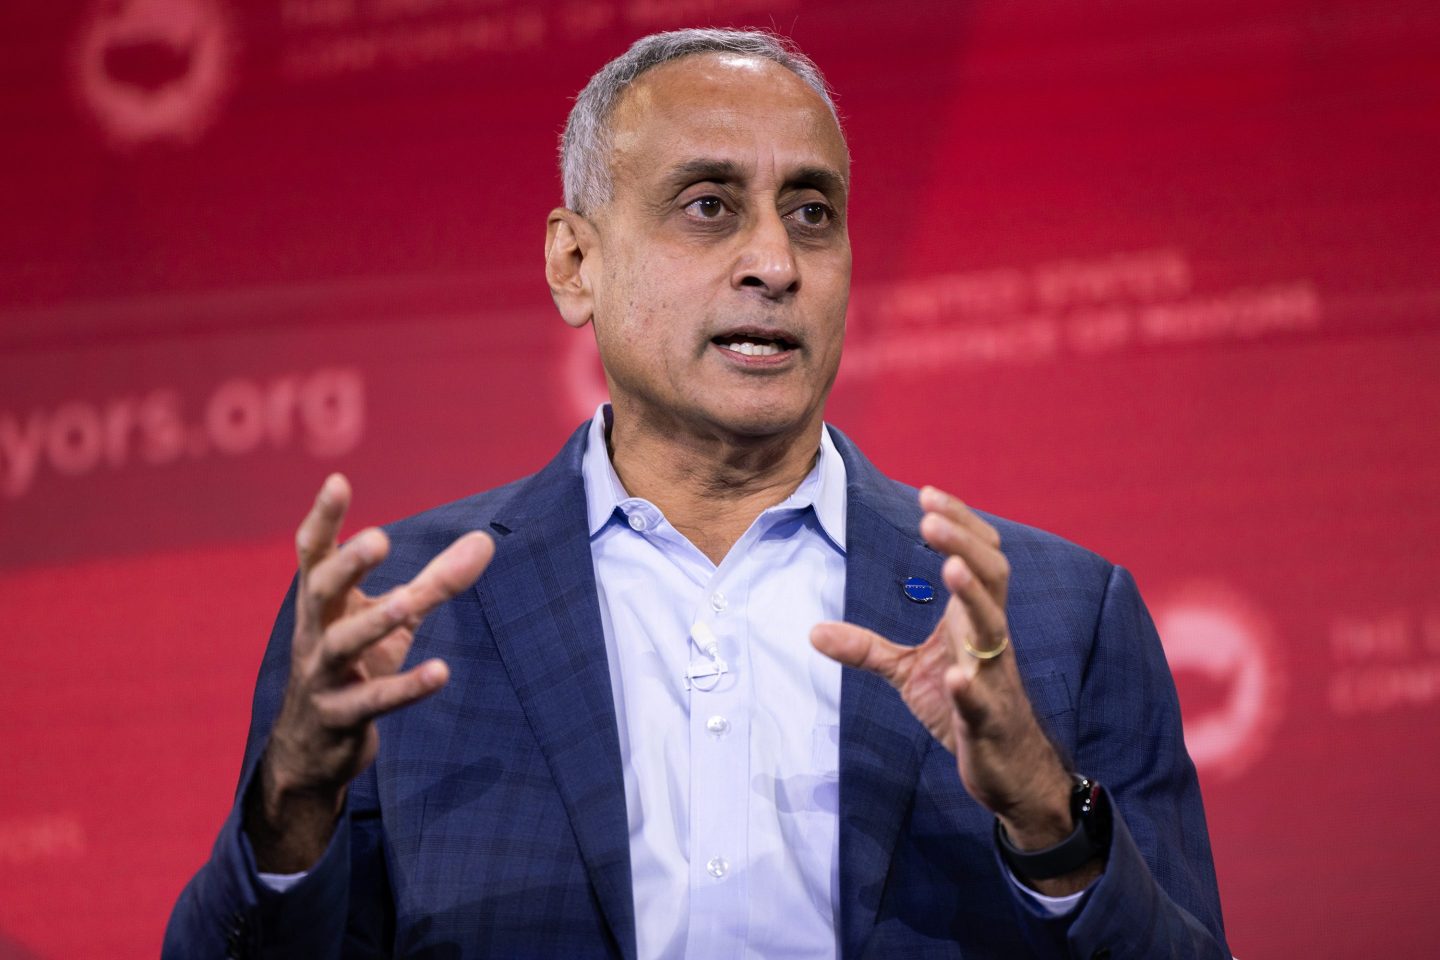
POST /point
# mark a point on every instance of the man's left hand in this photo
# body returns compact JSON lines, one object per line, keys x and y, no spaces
{"x":966,"y":694}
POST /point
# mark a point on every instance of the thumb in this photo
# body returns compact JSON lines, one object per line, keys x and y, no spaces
{"x":857,"y":647}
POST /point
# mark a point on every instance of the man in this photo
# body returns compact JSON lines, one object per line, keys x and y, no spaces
{"x":617,"y":742}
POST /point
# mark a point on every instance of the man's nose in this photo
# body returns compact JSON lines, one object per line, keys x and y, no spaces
{"x":767,"y":260}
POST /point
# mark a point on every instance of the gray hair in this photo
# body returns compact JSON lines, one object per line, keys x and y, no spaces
{"x":585,"y":144}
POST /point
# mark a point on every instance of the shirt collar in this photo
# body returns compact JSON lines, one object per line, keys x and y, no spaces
{"x":603,"y":491}
{"x":823,"y":488}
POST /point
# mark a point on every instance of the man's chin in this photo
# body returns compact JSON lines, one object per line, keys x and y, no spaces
{"x":748,"y":417}
{"x":764,"y":422}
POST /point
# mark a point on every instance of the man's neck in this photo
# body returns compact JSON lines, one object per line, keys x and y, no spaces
{"x":711,"y":487}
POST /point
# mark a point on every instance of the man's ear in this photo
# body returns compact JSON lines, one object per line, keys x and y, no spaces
{"x":572,"y":251}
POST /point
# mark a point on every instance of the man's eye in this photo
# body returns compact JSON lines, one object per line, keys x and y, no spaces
{"x":814,"y":214}
{"x":706,"y":208}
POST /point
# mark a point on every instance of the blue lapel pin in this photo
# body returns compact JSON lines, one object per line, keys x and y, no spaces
{"x":918,"y":589}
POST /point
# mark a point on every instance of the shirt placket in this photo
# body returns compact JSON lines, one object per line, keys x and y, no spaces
{"x":720,"y":768}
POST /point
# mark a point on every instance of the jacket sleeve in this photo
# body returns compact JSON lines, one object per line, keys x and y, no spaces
{"x":339,"y":909}
{"x":1158,"y":895}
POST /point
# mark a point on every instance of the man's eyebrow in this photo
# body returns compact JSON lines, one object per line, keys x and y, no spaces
{"x":702,"y":169}
{"x":827,"y":181}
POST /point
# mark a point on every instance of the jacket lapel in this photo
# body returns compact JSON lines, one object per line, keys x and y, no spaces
{"x":881,"y":743}
{"x":540,"y":602}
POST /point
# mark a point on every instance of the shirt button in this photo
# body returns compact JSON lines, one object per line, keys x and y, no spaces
{"x":637,"y":522}
{"x":717,"y":725}
{"x":717,"y":867}
{"x":717,"y":601}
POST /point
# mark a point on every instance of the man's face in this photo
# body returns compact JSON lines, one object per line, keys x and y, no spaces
{"x":724,"y":256}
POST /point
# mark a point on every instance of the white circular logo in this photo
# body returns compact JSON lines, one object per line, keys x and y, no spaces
{"x":154,"y":70}
{"x":1223,"y":646}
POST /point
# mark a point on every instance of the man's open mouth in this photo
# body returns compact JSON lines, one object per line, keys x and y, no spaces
{"x":755,"y":344}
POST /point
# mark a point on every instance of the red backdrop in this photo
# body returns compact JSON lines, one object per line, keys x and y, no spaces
{"x":1159,"y":276}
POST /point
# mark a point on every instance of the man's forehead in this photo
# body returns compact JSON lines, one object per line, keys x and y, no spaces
{"x":718,"y":99}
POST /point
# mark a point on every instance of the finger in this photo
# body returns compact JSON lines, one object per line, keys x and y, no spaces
{"x":970,"y":702}
{"x":450,"y":572}
{"x":453,"y":570}
{"x":858,"y":647}
{"x":983,"y":559}
{"x":961,"y":679}
{"x":316,"y":535}
{"x":936,"y":500}
{"x":359,"y":703}
{"x":986,"y":616}
{"x":351,"y":636}
{"x":331,"y":580}
{"x":981,"y":689}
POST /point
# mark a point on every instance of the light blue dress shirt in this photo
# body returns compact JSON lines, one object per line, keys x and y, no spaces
{"x":729,"y":719}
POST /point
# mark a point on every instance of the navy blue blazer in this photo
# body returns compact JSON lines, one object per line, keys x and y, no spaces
{"x":493,"y":824}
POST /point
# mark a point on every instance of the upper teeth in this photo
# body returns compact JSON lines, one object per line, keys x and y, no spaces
{"x":754,"y":349}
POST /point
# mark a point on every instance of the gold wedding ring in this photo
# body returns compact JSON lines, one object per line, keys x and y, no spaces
{"x":990,"y":654}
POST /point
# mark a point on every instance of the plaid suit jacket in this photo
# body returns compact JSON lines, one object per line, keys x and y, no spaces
{"x":493,"y":822}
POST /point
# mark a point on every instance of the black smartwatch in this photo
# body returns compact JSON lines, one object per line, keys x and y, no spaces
{"x":1090,"y":809}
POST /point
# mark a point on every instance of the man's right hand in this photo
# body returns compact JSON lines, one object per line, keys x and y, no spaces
{"x":344,"y":672}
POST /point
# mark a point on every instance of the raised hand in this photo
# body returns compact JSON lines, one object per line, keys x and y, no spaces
{"x":963,"y":684}
{"x":345,"y":663}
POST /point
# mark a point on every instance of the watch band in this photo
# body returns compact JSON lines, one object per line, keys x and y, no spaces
{"x":1090,"y":809}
